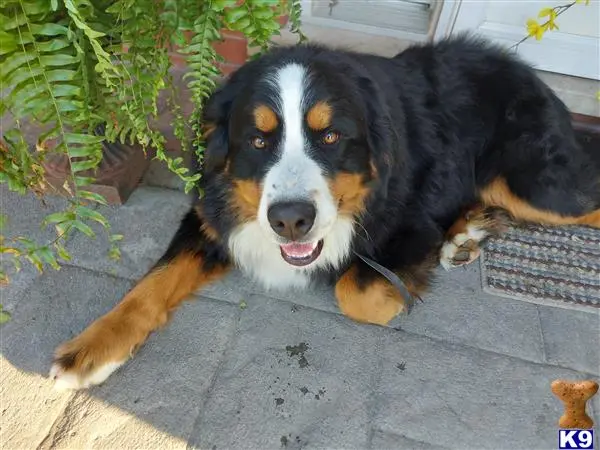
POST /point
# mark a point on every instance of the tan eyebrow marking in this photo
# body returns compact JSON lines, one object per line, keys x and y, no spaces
{"x":319,"y":116}
{"x":265,"y":119}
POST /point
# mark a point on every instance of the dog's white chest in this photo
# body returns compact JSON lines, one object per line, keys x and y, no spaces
{"x":257,"y":255}
{"x":261,"y":259}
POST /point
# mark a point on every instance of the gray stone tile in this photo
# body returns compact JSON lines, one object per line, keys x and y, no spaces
{"x":25,"y":214}
{"x":571,"y":338}
{"x":55,"y":308}
{"x":457,"y":310}
{"x":381,"y":440}
{"x":147,"y":221}
{"x":159,"y":175}
{"x":436,"y":393}
{"x":164,"y":385}
{"x":318,"y":296}
{"x":295,"y":377}
{"x":236,"y":286}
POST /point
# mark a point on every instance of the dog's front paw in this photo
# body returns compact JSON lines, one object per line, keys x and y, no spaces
{"x":90,"y":358}
{"x":462,"y":250}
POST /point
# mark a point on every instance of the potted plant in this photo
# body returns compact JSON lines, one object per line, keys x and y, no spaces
{"x":80,"y":84}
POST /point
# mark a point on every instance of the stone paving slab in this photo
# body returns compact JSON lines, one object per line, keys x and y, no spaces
{"x":457,"y":310}
{"x":147,"y":221}
{"x":55,"y":308}
{"x":294,"y":377}
{"x":572,"y":338}
{"x":89,"y":423}
{"x":164,"y":386}
{"x":30,"y":406}
{"x":25,"y":214}
{"x":386,"y":440}
{"x":299,"y":377}
{"x":461,"y":397}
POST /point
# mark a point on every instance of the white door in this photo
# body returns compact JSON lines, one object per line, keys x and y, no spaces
{"x":574,"y":49}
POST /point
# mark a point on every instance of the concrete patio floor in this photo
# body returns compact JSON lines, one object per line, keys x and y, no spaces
{"x":240,"y":368}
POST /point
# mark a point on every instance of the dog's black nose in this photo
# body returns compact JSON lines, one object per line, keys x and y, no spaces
{"x":292,"y":220}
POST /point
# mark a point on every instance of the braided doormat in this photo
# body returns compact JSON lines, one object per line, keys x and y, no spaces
{"x":558,"y":266}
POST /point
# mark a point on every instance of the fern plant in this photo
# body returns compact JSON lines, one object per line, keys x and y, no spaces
{"x":86,"y":72}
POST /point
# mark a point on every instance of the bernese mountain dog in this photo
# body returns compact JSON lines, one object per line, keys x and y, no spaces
{"x":358,"y":170}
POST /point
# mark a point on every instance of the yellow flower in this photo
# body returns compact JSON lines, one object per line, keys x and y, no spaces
{"x":587,"y":2}
{"x":550,"y":24}
{"x":535,"y":29}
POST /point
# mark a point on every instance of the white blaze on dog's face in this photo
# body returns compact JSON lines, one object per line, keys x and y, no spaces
{"x":306,"y":211}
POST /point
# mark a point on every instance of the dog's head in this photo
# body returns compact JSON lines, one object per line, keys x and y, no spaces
{"x":303,"y":141}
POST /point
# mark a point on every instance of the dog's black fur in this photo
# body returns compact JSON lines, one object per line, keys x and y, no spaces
{"x":440,"y":122}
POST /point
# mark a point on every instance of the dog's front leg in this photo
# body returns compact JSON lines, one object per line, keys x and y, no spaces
{"x":193,"y":259}
{"x":366,"y":294}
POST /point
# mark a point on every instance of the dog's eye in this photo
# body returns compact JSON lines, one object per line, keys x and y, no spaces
{"x":331,"y":137}
{"x":258,"y":143}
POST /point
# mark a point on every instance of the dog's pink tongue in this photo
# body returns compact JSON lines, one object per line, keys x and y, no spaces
{"x":297,"y":250}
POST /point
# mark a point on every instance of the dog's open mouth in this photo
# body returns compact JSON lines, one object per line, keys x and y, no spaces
{"x":301,"y":254}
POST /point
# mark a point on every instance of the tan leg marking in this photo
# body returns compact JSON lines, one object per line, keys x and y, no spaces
{"x":497,"y":193}
{"x":113,"y":338}
{"x":377,"y":302}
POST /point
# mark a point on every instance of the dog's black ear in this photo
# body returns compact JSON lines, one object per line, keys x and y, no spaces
{"x":215,"y":126}
{"x":381,"y":137}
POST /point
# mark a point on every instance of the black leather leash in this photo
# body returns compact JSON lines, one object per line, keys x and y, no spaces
{"x":392,"y":278}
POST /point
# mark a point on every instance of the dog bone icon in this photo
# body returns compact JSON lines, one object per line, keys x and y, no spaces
{"x":574,"y":395}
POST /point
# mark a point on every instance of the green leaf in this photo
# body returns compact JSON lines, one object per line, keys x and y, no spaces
{"x":115,"y":237}
{"x":114,"y":253}
{"x":4,"y":315}
{"x":3,"y":221}
{"x":78,"y":166}
{"x":48,"y":257}
{"x":52,"y":45}
{"x":58,"y":60}
{"x":83,"y":181}
{"x":235,"y":14}
{"x":84,"y":228}
{"x":87,"y":213}
{"x":15,"y":21}
{"x":36,"y":261}
{"x":48,"y":29}
{"x":15,"y":61}
{"x":220,"y":5}
{"x":264,"y":14}
{"x":86,"y":139}
{"x":65,"y":90}
{"x":62,"y":252}
{"x":58,"y":217}
{"x":93,"y":197}
{"x":61,"y":75}
{"x":67,"y":105}
{"x":22,"y":74}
